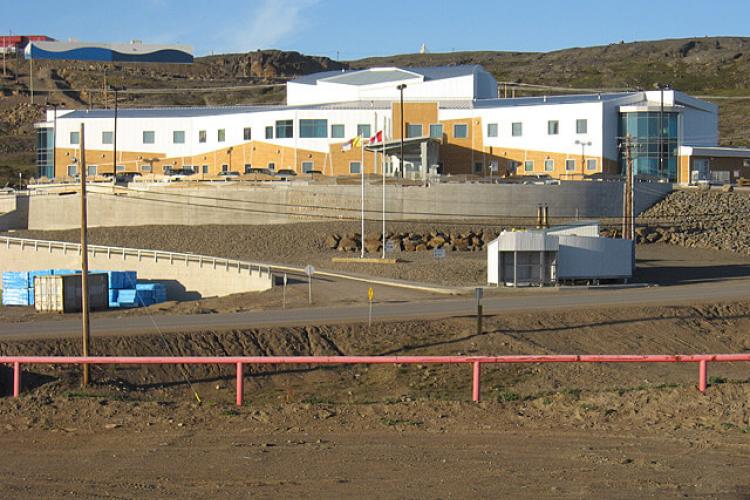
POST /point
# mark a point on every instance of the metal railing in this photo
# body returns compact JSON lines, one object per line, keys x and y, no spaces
{"x":475,"y":361}
{"x":140,"y":254}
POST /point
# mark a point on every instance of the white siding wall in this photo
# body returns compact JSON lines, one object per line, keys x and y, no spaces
{"x":534,"y":119}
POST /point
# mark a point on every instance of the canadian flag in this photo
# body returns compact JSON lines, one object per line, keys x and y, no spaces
{"x":377,"y":138}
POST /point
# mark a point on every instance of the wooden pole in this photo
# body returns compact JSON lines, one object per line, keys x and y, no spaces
{"x":84,"y":261}
{"x":114,"y":143}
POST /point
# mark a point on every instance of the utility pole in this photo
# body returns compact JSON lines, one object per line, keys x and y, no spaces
{"x":54,"y":142}
{"x":5,"y":49}
{"x":628,"y":230}
{"x":114,"y":142}
{"x":84,"y":261}
{"x":401,"y":89}
{"x":31,"y":76}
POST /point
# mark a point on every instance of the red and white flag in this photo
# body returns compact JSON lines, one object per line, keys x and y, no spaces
{"x":377,"y":138}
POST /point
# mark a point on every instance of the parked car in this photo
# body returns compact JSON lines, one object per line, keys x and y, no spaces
{"x":258,"y":170}
{"x":231,"y":175}
{"x":286,"y":174}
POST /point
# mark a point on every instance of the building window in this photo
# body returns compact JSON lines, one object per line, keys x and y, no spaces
{"x":553,"y":127}
{"x":269,"y":132}
{"x":72,"y":171}
{"x":591,"y":164}
{"x":107,"y":137}
{"x":413,"y":130}
{"x":91,"y":170}
{"x":338,"y":131}
{"x":201,"y":136}
{"x":570,"y":165}
{"x":354,"y":167}
{"x":478,"y":167}
{"x":582,"y":126}
{"x":247,"y":134}
{"x":460,"y":131}
{"x":204,"y":169}
{"x":284,"y":129}
{"x":221,"y":135}
{"x":528,"y":166}
{"x":178,"y":137}
{"x":313,"y":129}
{"x":307,"y":166}
{"x":248,"y":167}
{"x":516,"y":130}
{"x":149,"y":137}
{"x":363,"y":130}
{"x":492,"y":130}
{"x":75,"y":138}
{"x":436,"y":130}
{"x":549,"y":165}
{"x":120,"y":168}
{"x":146,"y":168}
{"x":225,"y":168}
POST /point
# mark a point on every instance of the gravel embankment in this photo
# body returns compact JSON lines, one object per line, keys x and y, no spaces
{"x":295,"y":244}
{"x":699,"y":219}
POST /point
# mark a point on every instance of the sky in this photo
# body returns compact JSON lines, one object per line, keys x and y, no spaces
{"x":351,"y":30}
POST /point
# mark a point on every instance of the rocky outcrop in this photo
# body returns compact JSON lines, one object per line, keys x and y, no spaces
{"x":469,"y":241}
{"x":698,"y":219}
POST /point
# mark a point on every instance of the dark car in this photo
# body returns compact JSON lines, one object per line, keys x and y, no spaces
{"x":286,"y":173}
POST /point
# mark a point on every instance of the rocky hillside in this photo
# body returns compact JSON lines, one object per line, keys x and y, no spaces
{"x":702,"y":219}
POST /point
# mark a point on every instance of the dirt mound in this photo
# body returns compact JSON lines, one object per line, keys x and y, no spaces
{"x":714,"y":328}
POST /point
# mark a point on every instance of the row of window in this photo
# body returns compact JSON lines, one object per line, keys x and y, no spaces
{"x":318,"y":129}
{"x":570,"y":165}
{"x":553,"y":128}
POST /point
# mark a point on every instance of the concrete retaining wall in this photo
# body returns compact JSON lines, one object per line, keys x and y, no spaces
{"x":274,"y":204}
{"x":188,"y":278}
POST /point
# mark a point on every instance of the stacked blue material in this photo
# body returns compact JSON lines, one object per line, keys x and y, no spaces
{"x":18,"y":287}
{"x":17,"y":296}
{"x":124,"y":289}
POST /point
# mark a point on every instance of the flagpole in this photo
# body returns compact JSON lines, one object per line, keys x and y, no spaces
{"x":362,"y":196}
{"x":382,"y":171}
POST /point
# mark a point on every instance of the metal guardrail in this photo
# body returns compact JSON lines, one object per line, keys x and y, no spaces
{"x":124,"y":252}
{"x":475,"y":361}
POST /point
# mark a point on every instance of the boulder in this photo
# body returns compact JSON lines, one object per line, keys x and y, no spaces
{"x":421,"y":247}
{"x":332,"y":241}
{"x":348,"y":245}
{"x":461,"y":244}
{"x":372,"y":245}
{"x":727,"y":188}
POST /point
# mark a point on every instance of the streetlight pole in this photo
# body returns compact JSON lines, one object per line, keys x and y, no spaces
{"x":401,"y":88}
{"x":662,"y":87}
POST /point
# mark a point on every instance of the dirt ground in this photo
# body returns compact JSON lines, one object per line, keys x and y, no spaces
{"x":395,"y":431}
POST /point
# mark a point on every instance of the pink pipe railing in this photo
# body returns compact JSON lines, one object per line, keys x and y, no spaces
{"x":475,"y":361}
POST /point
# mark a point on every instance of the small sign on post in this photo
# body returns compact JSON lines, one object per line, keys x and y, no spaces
{"x":389,"y":246}
{"x":283,"y":294}
{"x":309,"y":271}
{"x":370,"y":297}
{"x":479,"y":292}
{"x":439,"y":253}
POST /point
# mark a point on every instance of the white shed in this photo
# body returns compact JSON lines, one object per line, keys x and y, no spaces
{"x":564,"y":253}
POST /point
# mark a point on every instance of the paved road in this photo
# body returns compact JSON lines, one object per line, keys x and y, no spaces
{"x":429,"y":309}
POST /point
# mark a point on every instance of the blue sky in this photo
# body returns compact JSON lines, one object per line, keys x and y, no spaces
{"x":360,"y":29}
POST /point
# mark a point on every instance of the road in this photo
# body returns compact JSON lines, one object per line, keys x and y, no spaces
{"x":724,"y":290}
